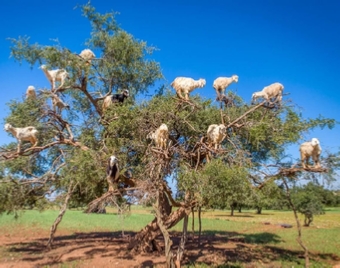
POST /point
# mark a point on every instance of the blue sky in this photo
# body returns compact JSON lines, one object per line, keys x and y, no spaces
{"x":264,"y":41}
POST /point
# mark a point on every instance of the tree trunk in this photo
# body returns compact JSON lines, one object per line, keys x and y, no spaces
{"x":160,"y":222}
{"x":258,"y":210}
{"x":60,"y":216}
{"x":144,"y":240}
{"x":193,"y":223}
{"x":232,"y":208}
{"x":308,"y":219}
{"x":181,"y":246}
{"x":199,"y":225}
{"x":298,"y":239}
{"x":240,"y":209}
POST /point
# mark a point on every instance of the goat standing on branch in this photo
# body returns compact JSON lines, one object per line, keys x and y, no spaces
{"x":30,"y":93}
{"x":160,"y":136}
{"x":23,"y":134}
{"x":114,"y":99}
{"x":310,"y":149}
{"x":112,"y":172}
{"x":272,"y":91}
{"x":58,"y":75}
{"x":87,"y":55}
{"x":216,"y":134}
{"x":221,"y":83}
{"x":58,"y":104}
{"x":185,"y":85}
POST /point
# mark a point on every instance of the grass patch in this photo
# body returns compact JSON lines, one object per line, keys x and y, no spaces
{"x":75,"y":220}
{"x":324,"y":228}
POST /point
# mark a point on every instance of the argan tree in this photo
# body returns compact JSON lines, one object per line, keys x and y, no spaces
{"x":75,"y":144}
{"x":309,"y":201}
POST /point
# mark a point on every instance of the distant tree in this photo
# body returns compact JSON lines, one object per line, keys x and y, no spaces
{"x":308,"y":200}
{"x":336,"y":197}
{"x":222,"y":186}
{"x":264,"y":197}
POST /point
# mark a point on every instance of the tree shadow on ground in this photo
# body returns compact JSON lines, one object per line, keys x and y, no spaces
{"x":216,"y":248}
{"x":262,"y":238}
{"x":78,"y":246}
{"x":257,"y":238}
{"x":232,"y":248}
{"x":242,"y":215}
{"x":234,"y":216}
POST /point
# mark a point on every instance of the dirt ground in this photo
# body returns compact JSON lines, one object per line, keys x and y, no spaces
{"x":26,"y":248}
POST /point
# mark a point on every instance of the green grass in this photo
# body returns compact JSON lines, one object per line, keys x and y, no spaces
{"x":76,"y":220}
{"x":324,"y":228}
{"x":335,"y":209}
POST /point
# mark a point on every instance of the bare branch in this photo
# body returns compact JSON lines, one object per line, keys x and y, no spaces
{"x":245,"y":114}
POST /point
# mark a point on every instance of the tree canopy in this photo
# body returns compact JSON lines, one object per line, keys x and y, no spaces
{"x":74,"y":145}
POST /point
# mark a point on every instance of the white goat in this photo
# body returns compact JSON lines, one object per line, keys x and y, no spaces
{"x":310,"y":149}
{"x":272,"y":91}
{"x":23,"y":134}
{"x":221,"y":83}
{"x":30,"y":93}
{"x":58,"y":75}
{"x":58,"y":104}
{"x":185,"y":85}
{"x":216,"y":134}
{"x":160,"y":136}
{"x":87,"y":55}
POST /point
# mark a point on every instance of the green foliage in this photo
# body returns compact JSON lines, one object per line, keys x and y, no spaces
{"x":32,"y":113}
{"x":15,"y":196}
{"x":217,"y":185}
{"x":225,"y":185}
{"x":124,"y":62}
{"x":121,"y":63}
{"x":271,"y":131}
{"x":78,"y":142}
{"x":265,"y":197}
{"x":87,"y":170}
{"x":309,"y":201}
{"x":25,"y":113}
